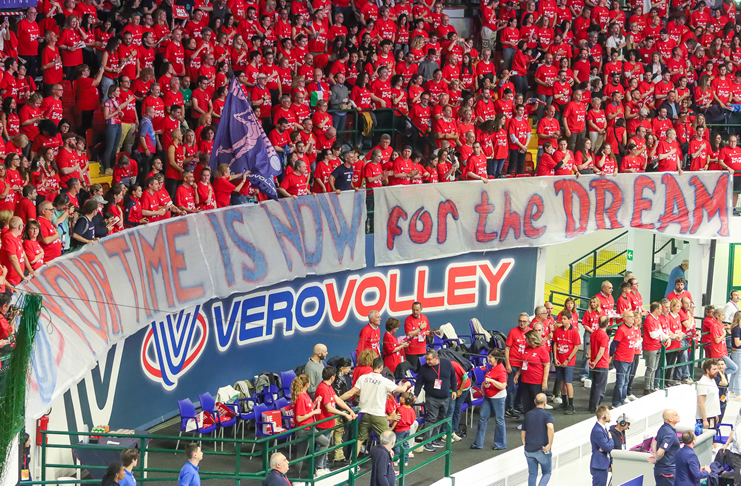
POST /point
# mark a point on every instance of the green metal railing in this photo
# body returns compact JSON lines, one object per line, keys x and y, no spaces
{"x":592,"y":264}
{"x":283,"y":441}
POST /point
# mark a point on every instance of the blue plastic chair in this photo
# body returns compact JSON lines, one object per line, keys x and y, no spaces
{"x":244,"y":417}
{"x":259,"y":423}
{"x":475,"y":402}
{"x":286,"y":378}
{"x":268,"y":395}
{"x":188,"y":412}
{"x":439,"y":343}
{"x":208,"y":404}
{"x":719,"y":438}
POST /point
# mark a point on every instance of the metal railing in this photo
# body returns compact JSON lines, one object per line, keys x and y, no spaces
{"x":281,"y":442}
{"x":660,"y":243}
{"x":606,"y":259}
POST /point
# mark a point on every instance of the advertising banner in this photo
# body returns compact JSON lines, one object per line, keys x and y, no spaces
{"x":220,"y":341}
{"x":162,"y":273}
{"x":415,"y":223}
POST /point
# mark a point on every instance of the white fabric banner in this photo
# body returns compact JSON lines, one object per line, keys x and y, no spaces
{"x":423,"y":222}
{"x":108,"y":291}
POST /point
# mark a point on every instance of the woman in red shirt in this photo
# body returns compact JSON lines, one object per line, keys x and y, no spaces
{"x":494,"y":389}
{"x":30,"y":116}
{"x":509,"y":38}
{"x":86,"y":93}
{"x":11,"y":123}
{"x":31,"y":245}
{"x":133,"y":208}
{"x":223,"y":188}
{"x":533,"y":376}
{"x":569,"y":305}
{"x":7,"y":195}
{"x":520,"y":64}
{"x":584,"y":159}
{"x":393,"y":349}
{"x":114,"y":197}
{"x":206,"y":195}
{"x":365,"y":364}
{"x":304,"y":412}
{"x":46,"y":180}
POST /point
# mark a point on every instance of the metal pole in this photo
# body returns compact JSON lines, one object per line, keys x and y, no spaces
{"x":711,"y":271}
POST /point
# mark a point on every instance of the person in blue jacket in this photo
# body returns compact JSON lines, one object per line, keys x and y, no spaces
{"x":688,"y":470}
{"x":602,"y":445}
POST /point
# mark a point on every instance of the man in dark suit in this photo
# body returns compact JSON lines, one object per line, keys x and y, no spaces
{"x":602,"y":444}
{"x":689,"y":472}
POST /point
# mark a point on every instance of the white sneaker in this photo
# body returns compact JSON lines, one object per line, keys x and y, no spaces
{"x":632,"y":397}
{"x":321,"y":472}
{"x":519,"y":427}
{"x":411,"y":454}
{"x":557,"y":401}
{"x":581,"y":378}
{"x":455,"y":437}
{"x":548,"y":407}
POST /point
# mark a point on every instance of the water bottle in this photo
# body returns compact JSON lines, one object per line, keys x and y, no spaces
{"x":698,"y":429}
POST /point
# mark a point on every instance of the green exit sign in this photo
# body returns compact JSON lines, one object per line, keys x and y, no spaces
{"x":630,"y":255}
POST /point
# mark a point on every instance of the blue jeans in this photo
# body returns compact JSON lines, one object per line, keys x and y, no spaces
{"x":622,"y":375}
{"x":584,"y":365}
{"x":454,"y":409}
{"x":731,"y":368}
{"x":400,"y":436}
{"x":533,"y":460}
{"x":736,"y":380}
{"x":338,"y":120}
{"x":512,"y":388}
{"x":112,"y":137}
{"x":495,"y":406}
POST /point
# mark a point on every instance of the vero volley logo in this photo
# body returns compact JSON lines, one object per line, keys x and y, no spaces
{"x":173,"y":345}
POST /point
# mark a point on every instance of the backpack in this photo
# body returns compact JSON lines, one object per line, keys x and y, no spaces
{"x":246,"y":389}
{"x":299,"y":370}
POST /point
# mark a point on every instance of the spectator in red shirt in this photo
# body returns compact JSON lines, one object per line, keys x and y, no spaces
{"x":49,"y":239}
{"x":566,"y":343}
{"x":370,"y":335}
{"x":12,"y":256}
{"x":599,"y":359}
{"x":223,"y":187}
{"x":394,"y":351}
{"x":304,"y":413}
{"x":295,"y":183}
{"x":26,"y":208}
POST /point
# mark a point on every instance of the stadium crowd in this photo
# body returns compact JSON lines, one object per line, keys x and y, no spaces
{"x":140,"y":86}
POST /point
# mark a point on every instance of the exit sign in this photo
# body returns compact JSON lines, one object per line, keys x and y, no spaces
{"x":630,"y":255}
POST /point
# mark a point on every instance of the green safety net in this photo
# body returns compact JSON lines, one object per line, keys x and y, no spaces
{"x":13,"y":377}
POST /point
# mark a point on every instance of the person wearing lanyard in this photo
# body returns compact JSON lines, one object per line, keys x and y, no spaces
{"x":278,"y":469}
{"x":617,"y":432}
{"x":437,"y":377}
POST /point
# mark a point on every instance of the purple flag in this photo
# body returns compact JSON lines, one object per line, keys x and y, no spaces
{"x":241,"y":142}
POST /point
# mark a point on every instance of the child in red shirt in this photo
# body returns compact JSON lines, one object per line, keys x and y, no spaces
{"x":405,"y":417}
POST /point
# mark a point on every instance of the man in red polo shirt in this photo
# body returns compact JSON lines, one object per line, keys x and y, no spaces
{"x":599,"y":363}
{"x":635,"y":298}
{"x":329,"y":404}
{"x":370,"y":335}
{"x":513,"y":351}
{"x":416,"y":327}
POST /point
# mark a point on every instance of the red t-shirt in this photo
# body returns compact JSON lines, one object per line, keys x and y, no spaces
{"x":12,"y":245}
{"x":565,"y":340}
{"x":223,"y":191}
{"x":392,"y":359}
{"x":651,"y":324}
{"x":53,"y":249}
{"x":717,"y":350}
{"x":628,"y":340}
{"x":294,"y":184}
{"x":328,"y":398}
{"x":33,"y":248}
{"x":517,"y":344}
{"x":533,"y":366}
{"x":590,"y":320}
{"x":599,"y":340}
{"x":417,"y":344}
{"x":303,"y":406}
{"x":498,"y":373}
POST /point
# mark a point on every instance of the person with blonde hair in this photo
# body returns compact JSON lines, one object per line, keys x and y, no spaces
{"x":533,"y":375}
{"x":304,"y":413}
